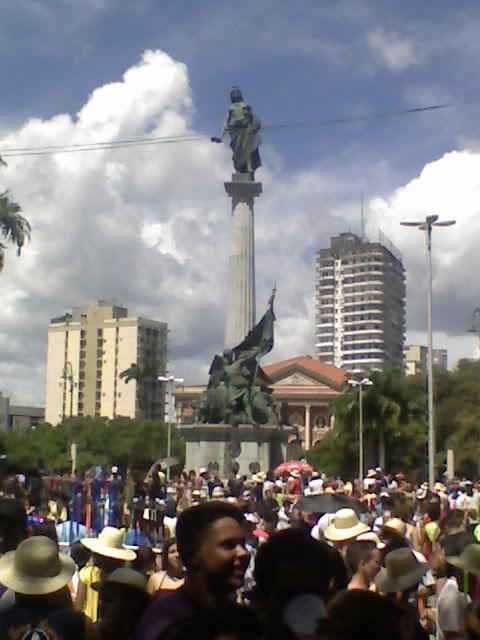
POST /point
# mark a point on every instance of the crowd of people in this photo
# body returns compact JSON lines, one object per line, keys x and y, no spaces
{"x":287,"y":554}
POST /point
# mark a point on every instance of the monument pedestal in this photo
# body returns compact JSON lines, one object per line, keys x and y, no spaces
{"x":223,"y":445}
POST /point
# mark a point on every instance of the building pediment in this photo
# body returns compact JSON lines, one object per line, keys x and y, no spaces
{"x":306,"y":372}
{"x":297,"y":378}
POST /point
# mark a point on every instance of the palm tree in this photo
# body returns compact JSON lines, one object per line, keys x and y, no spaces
{"x":14,"y":228}
{"x":389,"y":405}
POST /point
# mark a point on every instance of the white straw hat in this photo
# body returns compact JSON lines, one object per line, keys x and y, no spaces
{"x":109,"y":544}
{"x":346,"y":526}
{"x":36,"y":567}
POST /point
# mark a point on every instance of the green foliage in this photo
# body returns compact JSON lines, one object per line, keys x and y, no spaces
{"x":395,"y":416}
{"x":121,"y":441}
{"x":14,"y":228}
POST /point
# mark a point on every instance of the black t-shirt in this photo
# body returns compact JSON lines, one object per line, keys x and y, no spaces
{"x":235,"y":487}
{"x":41,"y":624}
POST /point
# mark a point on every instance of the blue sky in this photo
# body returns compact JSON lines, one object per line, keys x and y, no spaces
{"x":295,"y":62}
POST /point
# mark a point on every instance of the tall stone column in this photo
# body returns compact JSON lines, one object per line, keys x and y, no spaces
{"x":240,"y":314}
{"x":307,"y":440}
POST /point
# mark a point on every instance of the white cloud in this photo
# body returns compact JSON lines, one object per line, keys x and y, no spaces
{"x":149,"y":227}
{"x":392,"y":50}
{"x":449,"y":187}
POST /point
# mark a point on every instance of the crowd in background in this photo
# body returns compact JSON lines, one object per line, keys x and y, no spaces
{"x":289,"y":553}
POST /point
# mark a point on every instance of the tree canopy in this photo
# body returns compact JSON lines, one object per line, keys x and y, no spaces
{"x":121,"y":441}
{"x":395,"y":423}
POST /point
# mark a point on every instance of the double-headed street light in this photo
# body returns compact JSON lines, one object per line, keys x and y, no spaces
{"x":427,"y":225}
{"x":365,"y":382}
{"x":171,"y":382}
{"x":475,"y":328}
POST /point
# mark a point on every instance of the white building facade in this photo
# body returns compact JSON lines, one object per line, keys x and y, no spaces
{"x":360,"y":304}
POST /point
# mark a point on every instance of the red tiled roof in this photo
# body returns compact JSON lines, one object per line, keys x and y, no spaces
{"x":315,"y":367}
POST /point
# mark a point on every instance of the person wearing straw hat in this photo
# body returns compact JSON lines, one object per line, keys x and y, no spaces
{"x":399,"y":581}
{"x":452,"y":565}
{"x":123,"y":601}
{"x":108,"y":554}
{"x":402,"y":572}
{"x":39,"y":575}
{"x":345,"y":527}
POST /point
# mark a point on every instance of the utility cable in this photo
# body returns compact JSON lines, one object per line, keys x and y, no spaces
{"x":137,"y":142}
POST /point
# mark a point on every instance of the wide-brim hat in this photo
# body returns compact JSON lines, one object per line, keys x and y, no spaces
{"x":402,"y":571}
{"x":468,"y":560}
{"x":371,"y":536}
{"x":259,"y":477}
{"x":371,"y":473}
{"x":295,"y":473}
{"x":397,"y":525}
{"x":346,"y":526}
{"x":36,"y":568}
{"x":126,"y":578}
{"x":110,"y":545}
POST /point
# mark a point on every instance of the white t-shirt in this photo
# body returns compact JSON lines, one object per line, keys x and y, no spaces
{"x":428,"y":580}
{"x":171,"y":524}
{"x":451,"y":605}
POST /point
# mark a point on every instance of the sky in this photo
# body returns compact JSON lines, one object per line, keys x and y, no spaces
{"x":148,"y":226}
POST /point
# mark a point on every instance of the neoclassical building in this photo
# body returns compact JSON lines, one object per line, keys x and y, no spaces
{"x":304,"y":385}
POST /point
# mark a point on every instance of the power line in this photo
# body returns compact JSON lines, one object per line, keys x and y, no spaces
{"x":137,"y":142}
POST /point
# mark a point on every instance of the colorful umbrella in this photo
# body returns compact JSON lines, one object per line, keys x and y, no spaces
{"x":293,"y":465}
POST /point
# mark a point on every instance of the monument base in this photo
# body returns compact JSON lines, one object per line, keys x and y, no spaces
{"x":219,"y":446}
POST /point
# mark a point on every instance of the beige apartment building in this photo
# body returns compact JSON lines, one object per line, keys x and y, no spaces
{"x":87,"y":351}
{"x":415,"y":359}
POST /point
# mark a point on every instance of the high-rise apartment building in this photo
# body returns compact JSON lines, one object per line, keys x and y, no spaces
{"x":87,"y":351}
{"x":415,"y":359}
{"x":360,"y":301}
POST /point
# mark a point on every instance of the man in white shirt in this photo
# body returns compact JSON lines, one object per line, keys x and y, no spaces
{"x":451,"y":603}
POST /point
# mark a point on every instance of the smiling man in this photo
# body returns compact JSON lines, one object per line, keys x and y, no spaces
{"x":211,"y":541}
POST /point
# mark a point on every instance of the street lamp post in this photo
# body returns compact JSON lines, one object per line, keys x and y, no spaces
{"x":475,"y":328}
{"x":365,"y":382}
{"x":427,"y":225}
{"x":171,"y":381}
{"x":67,"y":376}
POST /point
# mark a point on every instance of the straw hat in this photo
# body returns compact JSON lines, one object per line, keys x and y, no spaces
{"x":125,"y":577}
{"x":348,"y":488}
{"x":36,"y":568}
{"x":371,"y":473}
{"x":109,"y":544}
{"x":217,"y":493}
{"x":397,"y":525}
{"x":371,"y":536}
{"x":468,"y":560}
{"x":295,"y":473}
{"x":402,"y":571}
{"x":345,"y":527}
{"x":259,"y":477}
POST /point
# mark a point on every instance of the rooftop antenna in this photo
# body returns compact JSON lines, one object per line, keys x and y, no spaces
{"x":362,"y":217}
